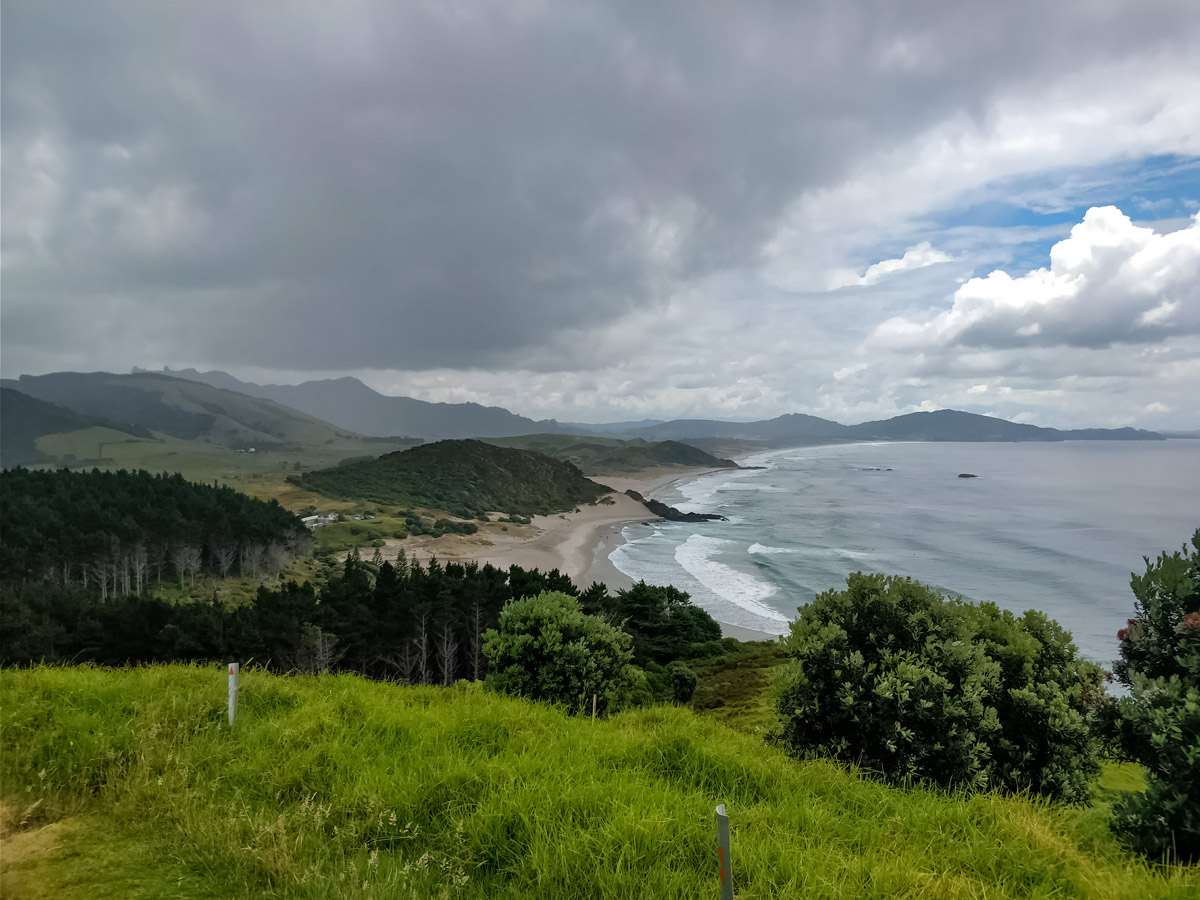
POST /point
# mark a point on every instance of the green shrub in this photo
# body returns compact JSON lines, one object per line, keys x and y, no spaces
{"x":546,"y":648}
{"x":1158,"y":724}
{"x":449,"y":525}
{"x":682,"y":681}
{"x":891,"y":675}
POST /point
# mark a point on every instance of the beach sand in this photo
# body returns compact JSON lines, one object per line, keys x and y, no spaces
{"x":576,"y":543}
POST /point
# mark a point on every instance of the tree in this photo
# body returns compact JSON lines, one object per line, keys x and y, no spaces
{"x":661,"y":620}
{"x":546,"y":648}
{"x":682,"y":681}
{"x":447,"y":652}
{"x":891,"y":675}
{"x":1158,"y":724}
{"x":224,"y":553}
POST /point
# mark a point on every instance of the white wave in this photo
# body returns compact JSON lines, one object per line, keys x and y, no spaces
{"x":835,"y":552}
{"x":762,"y":548}
{"x":745,"y":591}
{"x":701,"y":495}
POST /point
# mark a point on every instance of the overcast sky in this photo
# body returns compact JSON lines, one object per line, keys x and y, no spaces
{"x":605,"y":211}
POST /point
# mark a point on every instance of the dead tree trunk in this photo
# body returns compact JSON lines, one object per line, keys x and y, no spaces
{"x":447,"y":653}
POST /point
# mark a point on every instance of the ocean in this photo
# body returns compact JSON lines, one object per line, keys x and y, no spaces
{"x":1057,"y":527}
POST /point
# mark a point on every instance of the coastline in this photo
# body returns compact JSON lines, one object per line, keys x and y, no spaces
{"x":577,"y":543}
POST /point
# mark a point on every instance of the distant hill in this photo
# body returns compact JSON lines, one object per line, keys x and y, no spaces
{"x":350,"y":404}
{"x":787,"y":428}
{"x":611,"y":427}
{"x":178,"y":408}
{"x":604,"y":456}
{"x":24,"y":419}
{"x":952,"y":425}
{"x":464,"y":477}
{"x":942,"y":425}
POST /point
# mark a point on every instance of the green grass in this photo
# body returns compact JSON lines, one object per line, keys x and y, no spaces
{"x":737,"y":688}
{"x":333,"y":787}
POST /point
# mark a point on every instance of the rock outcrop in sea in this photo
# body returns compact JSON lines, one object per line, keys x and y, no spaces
{"x":671,"y":514}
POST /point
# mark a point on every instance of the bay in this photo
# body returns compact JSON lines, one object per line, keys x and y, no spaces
{"x":1057,"y":527}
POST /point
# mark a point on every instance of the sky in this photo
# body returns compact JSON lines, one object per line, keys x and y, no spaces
{"x":614,"y":211}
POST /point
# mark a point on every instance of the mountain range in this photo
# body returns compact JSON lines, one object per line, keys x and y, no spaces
{"x":350,"y":404}
{"x":216,"y":409}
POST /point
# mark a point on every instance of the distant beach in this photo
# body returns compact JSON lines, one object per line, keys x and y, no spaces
{"x":576,"y":543}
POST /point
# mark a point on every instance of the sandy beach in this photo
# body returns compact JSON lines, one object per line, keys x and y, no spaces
{"x":576,"y":543}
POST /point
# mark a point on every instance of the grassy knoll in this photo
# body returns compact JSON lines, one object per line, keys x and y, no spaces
{"x":464,"y":478}
{"x":609,"y":456}
{"x":336,"y":787}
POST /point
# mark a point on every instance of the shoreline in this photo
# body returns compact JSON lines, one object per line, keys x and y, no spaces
{"x":578,"y":544}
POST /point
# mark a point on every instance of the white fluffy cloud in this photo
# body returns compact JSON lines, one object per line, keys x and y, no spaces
{"x":1110,"y":282}
{"x":917,"y":257}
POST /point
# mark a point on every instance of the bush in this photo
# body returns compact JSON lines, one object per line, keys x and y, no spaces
{"x":682,"y":681}
{"x":546,"y":648}
{"x":1158,"y":724}
{"x":894,"y":677}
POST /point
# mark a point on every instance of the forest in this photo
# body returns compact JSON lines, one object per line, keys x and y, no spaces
{"x":117,"y":532}
{"x":388,"y":620}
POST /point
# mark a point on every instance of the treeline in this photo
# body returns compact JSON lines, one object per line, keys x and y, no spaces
{"x":399,"y":621}
{"x":111,"y":533}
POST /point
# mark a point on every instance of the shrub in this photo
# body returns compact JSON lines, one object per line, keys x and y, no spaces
{"x":682,"y":681}
{"x":891,"y":675}
{"x":546,"y":648}
{"x":1158,"y":724}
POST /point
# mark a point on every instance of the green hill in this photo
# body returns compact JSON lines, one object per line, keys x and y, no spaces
{"x":466,"y":478}
{"x":24,"y":419}
{"x":178,"y":408}
{"x":129,"y":783}
{"x":605,"y":456}
{"x":162,"y":424}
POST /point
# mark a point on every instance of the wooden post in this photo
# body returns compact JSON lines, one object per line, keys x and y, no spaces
{"x":233,"y":686}
{"x":593,"y":707}
{"x":724,"y":862}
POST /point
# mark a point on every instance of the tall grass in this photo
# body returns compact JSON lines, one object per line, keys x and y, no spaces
{"x":331,"y":787}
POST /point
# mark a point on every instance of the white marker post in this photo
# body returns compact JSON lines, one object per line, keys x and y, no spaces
{"x":233,"y":679}
{"x":724,"y":862}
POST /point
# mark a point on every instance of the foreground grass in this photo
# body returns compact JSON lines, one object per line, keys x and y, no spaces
{"x":337,"y":787}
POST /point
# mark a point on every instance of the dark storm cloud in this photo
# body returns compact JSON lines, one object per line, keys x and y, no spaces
{"x":403,"y":186}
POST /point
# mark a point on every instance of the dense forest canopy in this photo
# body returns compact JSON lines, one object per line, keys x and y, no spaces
{"x":111,"y":530}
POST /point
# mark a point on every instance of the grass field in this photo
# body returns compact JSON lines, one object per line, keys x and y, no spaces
{"x":332,"y":787}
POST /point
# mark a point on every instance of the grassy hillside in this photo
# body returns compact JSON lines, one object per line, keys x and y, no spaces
{"x":336,"y":787}
{"x":25,"y":419}
{"x":466,"y":478}
{"x":350,"y":404}
{"x":178,"y":408}
{"x":607,"y":456}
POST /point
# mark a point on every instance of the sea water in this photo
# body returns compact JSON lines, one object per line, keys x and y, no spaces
{"x":1056,"y":527}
